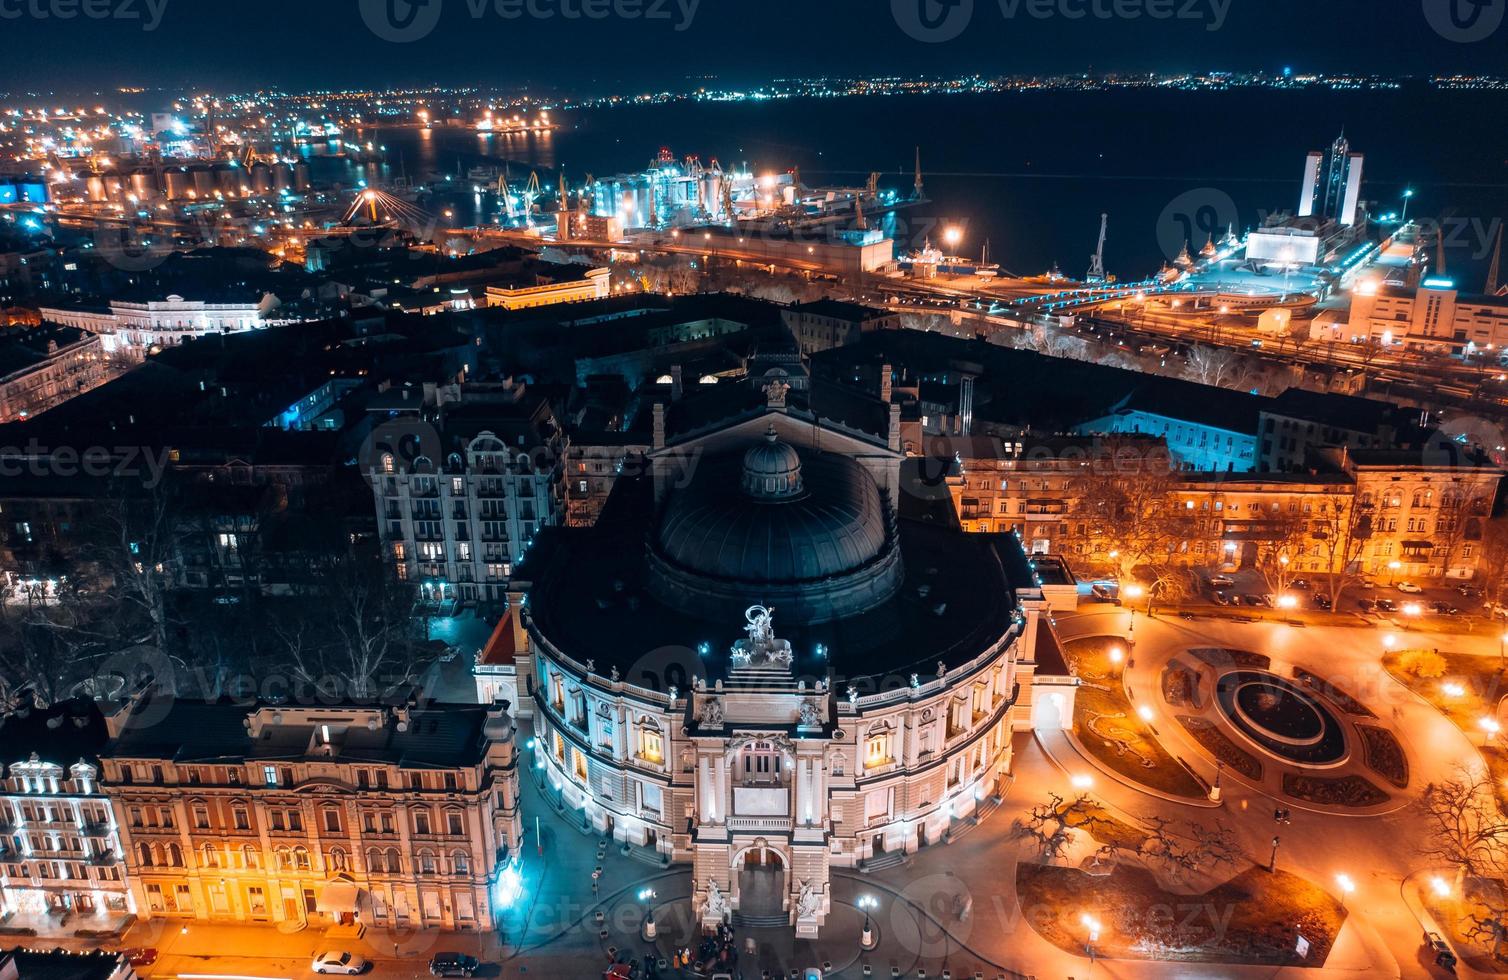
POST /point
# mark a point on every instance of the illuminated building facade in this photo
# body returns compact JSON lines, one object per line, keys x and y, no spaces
{"x":336,"y":816}
{"x":132,"y":330}
{"x":44,"y":367}
{"x":591,"y":284}
{"x":885,"y":661}
{"x":454,"y":522}
{"x":1435,"y":316}
{"x":60,"y":854}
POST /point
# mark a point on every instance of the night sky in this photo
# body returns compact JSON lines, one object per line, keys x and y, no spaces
{"x":315,"y":44}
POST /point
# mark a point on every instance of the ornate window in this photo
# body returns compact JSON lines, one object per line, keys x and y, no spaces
{"x":651,"y":742}
{"x":879,"y":747}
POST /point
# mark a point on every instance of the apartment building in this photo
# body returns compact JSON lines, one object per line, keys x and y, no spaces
{"x":60,"y":855}
{"x":454,"y":523}
{"x":336,"y":816}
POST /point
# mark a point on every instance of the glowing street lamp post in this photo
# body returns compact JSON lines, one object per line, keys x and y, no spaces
{"x":1093,"y":925}
{"x":866,"y":939}
{"x":649,"y":930}
{"x":1407,"y":194}
{"x":1347,"y":886}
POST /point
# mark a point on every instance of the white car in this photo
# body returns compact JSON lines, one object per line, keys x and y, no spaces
{"x":1409,"y":587}
{"x":340,"y":962}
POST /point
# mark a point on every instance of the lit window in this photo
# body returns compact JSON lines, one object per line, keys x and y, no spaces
{"x":877,"y":749}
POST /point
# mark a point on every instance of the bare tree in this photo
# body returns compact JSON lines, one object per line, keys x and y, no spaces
{"x":1052,"y":824}
{"x":1128,"y":507}
{"x":1342,"y":529}
{"x":362,"y":633}
{"x":1494,"y":564}
{"x":1210,"y":365}
{"x":1286,"y":532}
{"x":1464,"y":828}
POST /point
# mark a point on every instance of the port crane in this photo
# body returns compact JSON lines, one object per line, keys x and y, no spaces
{"x":1096,"y":272}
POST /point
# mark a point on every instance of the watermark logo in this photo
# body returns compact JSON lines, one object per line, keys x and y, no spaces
{"x":406,"y":21}
{"x":932,"y":21}
{"x":401,"y":21}
{"x":397,"y":445}
{"x":936,"y":21}
{"x":147,"y":13}
{"x":1193,"y":218}
{"x":1465,"y":21}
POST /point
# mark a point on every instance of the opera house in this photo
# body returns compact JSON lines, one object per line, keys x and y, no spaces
{"x":777,"y":653}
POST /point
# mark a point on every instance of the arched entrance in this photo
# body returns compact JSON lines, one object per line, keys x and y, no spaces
{"x":761,"y":883}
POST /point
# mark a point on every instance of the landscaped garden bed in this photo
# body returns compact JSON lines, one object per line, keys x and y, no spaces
{"x":1255,"y":918}
{"x":1385,"y":755}
{"x":1342,"y":700}
{"x":1351,"y":790}
{"x":1109,"y":728}
{"x":1222,"y":657}
{"x":1218,"y":744}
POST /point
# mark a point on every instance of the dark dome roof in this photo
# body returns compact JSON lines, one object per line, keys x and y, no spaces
{"x":810,"y":534}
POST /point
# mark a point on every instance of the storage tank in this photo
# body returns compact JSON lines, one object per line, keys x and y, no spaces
{"x":144,"y":185}
{"x":204,"y":182}
{"x":94,"y":187}
{"x":261,"y":178}
{"x":301,"y":177}
{"x":178,"y":183}
{"x":282,"y":177}
{"x":116,"y":184}
{"x":228,"y":180}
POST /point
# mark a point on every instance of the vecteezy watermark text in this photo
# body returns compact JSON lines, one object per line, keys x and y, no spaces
{"x":403,"y":21}
{"x":148,"y":12}
{"x":935,"y":21}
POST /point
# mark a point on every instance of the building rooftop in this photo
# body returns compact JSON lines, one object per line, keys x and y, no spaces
{"x":62,"y":734}
{"x":62,"y":964}
{"x":186,"y":730}
{"x":587,"y":596}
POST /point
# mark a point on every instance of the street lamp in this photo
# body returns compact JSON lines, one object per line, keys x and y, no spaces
{"x":1272,"y":860}
{"x":868,"y":902}
{"x":1408,"y":193}
{"x":649,"y":931}
{"x":1346,"y":885}
{"x":953,"y":236}
{"x":1490,"y":727}
{"x":1093,"y":925}
{"x":1440,"y":886}
{"x":1502,"y":655}
{"x":1394,"y":566}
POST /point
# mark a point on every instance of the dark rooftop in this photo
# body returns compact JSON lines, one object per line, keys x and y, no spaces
{"x":443,"y":735}
{"x":586,"y":597}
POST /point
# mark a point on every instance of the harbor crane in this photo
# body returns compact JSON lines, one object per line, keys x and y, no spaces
{"x":1096,"y":272}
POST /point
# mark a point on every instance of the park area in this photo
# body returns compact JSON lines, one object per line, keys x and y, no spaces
{"x":1107,"y":725}
{"x":1255,"y":918}
{"x":1466,"y":689}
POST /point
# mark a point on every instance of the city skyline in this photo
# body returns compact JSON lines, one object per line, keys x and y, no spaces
{"x":600,"y":45}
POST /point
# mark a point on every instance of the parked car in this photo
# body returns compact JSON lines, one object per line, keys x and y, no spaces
{"x":1301,"y":584}
{"x":140,"y":956}
{"x":1365,"y":605}
{"x":1252,"y":599}
{"x":1321,"y":601}
{"x":1409,"y":588}
{"x":1387,"y":605}
{"x":453,"y":965}
{"x":1222,"y":581}
{"x":1235,"y":599}
{"x":339,"y":962}
{"x":1444,"y":608}
{"x":1440,"y":950}
{"x":1221,"y":599}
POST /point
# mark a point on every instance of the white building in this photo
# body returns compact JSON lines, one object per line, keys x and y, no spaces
{"x":136,"y":329}
{"x":455,"y":519}
{"x":60,"y":852}
{"x":868,"y":708}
